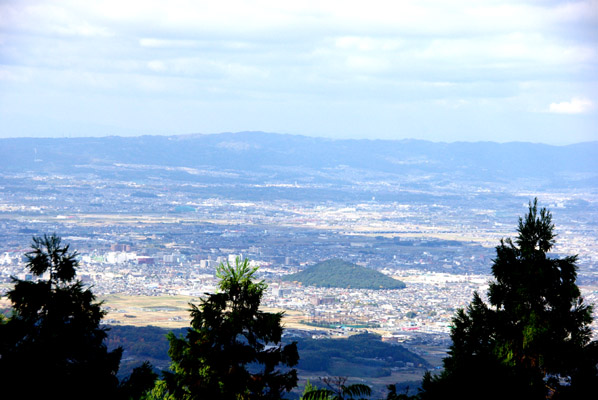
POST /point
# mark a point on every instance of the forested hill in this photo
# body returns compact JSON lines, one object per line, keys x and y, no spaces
{"x":258,"y":157}
{"x":342,"y":274}
{"x":360,"y":356}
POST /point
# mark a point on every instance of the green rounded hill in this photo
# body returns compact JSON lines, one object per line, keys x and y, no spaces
{"x":342,"y":274}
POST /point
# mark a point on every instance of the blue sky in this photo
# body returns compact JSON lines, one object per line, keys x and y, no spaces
{"x":435,"y":70}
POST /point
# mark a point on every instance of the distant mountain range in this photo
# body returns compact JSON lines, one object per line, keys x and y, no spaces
{"x":342,"y":274}
{"x":268,"y":158}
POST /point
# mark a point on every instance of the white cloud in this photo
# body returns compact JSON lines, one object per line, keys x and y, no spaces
{"x":157,"y":66}
{"x":159,"y":43}
{"x":575,"y":106}
{"x":362,"y":44}
{"x":233,"y":54}
{"x":43,"y":19}
{"x":361,"y":64}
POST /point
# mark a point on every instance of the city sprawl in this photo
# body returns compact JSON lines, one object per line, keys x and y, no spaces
{"x":158,"y":239}
{"x":153,"y":217}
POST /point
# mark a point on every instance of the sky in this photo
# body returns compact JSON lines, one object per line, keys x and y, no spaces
{"x":428,"y":69}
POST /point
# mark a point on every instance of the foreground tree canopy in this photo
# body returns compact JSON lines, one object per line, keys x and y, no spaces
{"x":533,"y":339}
{"x":52,"y":346}
{"x":233,"y":349}
{"x":336,"y":389}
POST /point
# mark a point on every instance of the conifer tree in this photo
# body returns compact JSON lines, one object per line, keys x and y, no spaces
{"x":533,"y":338}
{"x":337,"y":389}
{"x":52,"y":346}
{"x":232,"y":350}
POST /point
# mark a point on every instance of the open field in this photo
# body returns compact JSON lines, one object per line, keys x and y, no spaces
{"x":163,"y":311}
{"x":169,"y":311}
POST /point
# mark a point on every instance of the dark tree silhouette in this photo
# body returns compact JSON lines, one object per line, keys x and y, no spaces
{"x":141,"y":380}
{"x":393,"y":395}
{"x":52,"y":346}
{"x":533,"y":339}
{"x":233,"y":350}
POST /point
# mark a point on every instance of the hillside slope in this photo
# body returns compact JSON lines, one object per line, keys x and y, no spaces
{"x":258,"y":157}
{"x":342,"y":274}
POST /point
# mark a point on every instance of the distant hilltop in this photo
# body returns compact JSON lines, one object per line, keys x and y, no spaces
{"x":259,"y":159}
{"x":342,"y":274}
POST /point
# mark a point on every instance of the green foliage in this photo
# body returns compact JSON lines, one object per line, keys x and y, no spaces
{"x":308,"y":389}
{"x":338,"y":390}
{"x":533,"y":339}
{"x":233,"y":350}
{"x":341,"y":274}
{"x":53,"y":339}
{"x":159,"y":392}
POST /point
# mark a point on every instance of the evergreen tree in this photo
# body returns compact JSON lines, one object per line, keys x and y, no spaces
{"x":545,"y":323}
{"x":308,"y":388}
{"x":533,"y":339}
{"x":337,"y":389}
{"x":232,"y":350}
{"x":52,"y":346}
